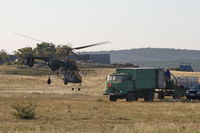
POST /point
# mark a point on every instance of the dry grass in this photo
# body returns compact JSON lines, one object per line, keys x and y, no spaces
{"x":186,"y":74}
{"x":60,"y":110}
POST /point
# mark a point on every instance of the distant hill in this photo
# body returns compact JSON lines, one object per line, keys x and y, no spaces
{"x":155,"y":57}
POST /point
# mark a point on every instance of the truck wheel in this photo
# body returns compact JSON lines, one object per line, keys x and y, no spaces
{"x":113,"y":98}
{"x":175,"y":97}
{"x":149,"y":96}
{"x":161,"y":95}
{"x":188,"y":98}
{"x":131,"y":97}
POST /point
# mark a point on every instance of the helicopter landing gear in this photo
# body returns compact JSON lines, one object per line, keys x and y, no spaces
{"x":65,"y":82}
{"x":49,"y":81}
{"x":78,"y":88}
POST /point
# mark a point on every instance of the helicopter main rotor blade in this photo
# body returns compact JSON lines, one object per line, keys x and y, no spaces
{"x":75,"y":54}
{"x":28,"y":37}
{"x":86,"y":46}
{"x":82,"y":47}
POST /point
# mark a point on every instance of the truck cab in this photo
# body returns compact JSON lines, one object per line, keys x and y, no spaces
{"x":118,"y":85}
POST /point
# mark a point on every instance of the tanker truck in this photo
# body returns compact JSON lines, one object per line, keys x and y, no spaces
{"x":134,"y":83}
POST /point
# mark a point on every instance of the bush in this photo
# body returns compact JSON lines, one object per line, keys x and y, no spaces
{"x":26,"y":111}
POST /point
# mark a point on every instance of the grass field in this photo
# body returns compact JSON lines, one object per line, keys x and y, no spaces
{"x":60,"y":110}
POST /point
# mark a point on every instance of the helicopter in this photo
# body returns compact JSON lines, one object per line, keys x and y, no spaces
{"x":67,"y":69}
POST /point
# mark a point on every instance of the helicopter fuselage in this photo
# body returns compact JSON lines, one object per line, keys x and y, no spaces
{"x":68,"y":69}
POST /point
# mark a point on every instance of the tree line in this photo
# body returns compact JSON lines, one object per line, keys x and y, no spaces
{"x":42,"y":49}
{"x":3,"y":55}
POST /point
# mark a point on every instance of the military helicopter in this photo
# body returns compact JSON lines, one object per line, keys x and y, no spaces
{"x":67,"y":69}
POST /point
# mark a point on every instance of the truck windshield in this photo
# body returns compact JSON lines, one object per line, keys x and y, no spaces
{"x":117,"y":78}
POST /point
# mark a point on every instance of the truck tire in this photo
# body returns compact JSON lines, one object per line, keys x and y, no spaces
{"x":188,"y":98}
{"x":176,"y":97}
{"x":149,"y":96}
{"x":131,"y":97}
{"x":161,"y":95}
{"x":113,"y":98}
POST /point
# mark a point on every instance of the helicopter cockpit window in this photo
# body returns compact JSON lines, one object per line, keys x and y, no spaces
{"x":117,"y":78}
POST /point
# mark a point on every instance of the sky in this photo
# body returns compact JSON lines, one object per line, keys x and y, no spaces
{"x":127,"y":24}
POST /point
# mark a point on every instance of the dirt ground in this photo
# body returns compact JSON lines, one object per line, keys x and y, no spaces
{"x":61,"y":110}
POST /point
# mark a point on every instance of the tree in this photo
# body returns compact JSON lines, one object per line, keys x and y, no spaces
{"x":3,"y":55}
{"x":45,"y":49}
{"x":23,"y":53}
{"x":62,"y":51}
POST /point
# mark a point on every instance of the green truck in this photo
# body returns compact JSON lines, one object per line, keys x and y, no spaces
{"x":134,"y":83}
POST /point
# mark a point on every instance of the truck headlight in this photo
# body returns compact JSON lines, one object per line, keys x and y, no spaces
{"x":109,"y":85}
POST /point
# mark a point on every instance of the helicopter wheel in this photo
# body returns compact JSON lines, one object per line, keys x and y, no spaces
{"x":65,"y":82}
{"x":79,"y":86}
{"x":49,"y":81}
